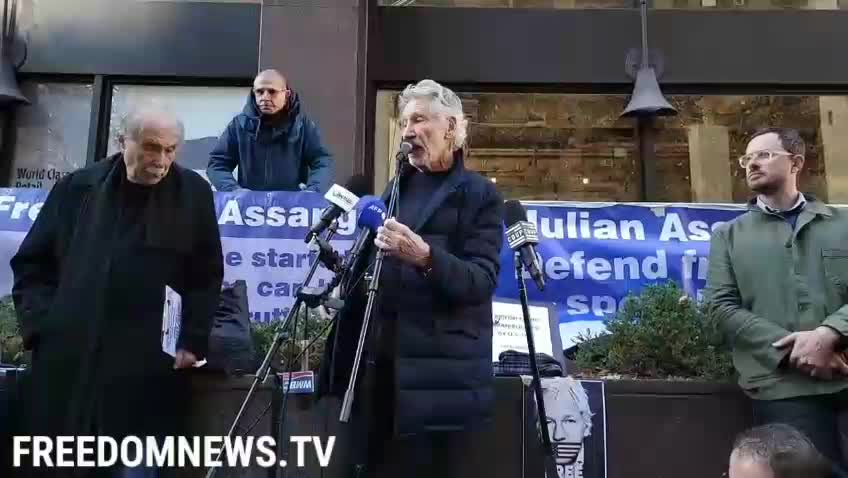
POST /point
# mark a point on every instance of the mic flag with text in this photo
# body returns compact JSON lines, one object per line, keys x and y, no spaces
{"x":521,"y":235}
{"x":342,"y":200}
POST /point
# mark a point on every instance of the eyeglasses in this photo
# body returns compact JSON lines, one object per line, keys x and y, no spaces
{"x":763,"y":156}
{"x":270,"y":91}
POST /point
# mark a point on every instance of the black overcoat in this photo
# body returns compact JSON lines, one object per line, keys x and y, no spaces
{"x":443,"y":374}
{"x":96,"y":366}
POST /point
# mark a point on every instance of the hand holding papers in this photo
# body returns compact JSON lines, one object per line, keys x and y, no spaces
{"x":171,"y":321}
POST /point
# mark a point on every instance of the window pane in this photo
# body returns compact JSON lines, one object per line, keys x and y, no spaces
{"x":199,"y":1}
{"x":541,"y":146}
{"x":51,"y":134}
{"x":205,"y":112}
{"x":722,"y":126}
{"x":554,"y":146}
{"x":658,"y":4}
{"x":576,"y":148}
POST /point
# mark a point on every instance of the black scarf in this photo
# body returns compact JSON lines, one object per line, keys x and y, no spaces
{"x":166,"y":218}
{"x":168,"y":223}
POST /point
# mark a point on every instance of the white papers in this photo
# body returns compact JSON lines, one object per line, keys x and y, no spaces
{"x":509,"y":333}
{"x":171,"y":321}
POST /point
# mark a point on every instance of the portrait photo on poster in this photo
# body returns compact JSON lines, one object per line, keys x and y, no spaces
{"x":576,"y":421}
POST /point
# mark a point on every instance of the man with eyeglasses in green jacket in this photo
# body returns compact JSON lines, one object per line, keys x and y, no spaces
{"x":778,"y":283}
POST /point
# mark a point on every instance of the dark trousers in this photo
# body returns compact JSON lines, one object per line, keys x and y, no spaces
{"x":431,"y":455}
{"x":822,"y":418}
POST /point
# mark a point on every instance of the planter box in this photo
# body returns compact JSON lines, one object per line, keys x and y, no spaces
{"x":655,"y":429}
{"x":663,"y":429}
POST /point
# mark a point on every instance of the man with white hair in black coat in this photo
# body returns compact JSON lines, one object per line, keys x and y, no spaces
{"x":427,"y":377}
{"x":90,"y":279}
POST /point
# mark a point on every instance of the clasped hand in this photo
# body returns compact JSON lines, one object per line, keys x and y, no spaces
{"x":813,"y":353}
{"x":400,"y":241}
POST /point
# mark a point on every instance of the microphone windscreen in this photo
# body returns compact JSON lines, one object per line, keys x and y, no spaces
{"x":514,"y":212}
{"x":359,"y":185}
{"x":405,"y":148}
{"x":372,"y":214}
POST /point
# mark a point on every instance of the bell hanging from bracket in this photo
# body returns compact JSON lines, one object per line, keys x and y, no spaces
{"x":647,"y":98}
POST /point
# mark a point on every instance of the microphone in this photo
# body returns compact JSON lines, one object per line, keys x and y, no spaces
{"x":371,"y":216}
{"x":405,"y":148}
{"x":342,"y":200}
{"x":521,"y":235}
{"x":402,"y":158}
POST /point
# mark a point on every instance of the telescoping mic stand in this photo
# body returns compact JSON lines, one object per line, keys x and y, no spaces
{"x":373,"y":287}
{"x":521,"y":236}
{"x":550,"y":459}
{"x":312,"y":297}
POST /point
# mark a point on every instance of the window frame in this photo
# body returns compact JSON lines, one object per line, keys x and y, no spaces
{"x":97,"y":143}
{"x":10,"y":116}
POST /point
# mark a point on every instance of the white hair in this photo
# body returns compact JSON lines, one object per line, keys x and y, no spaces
{"x":553,"y":387}
{"x":139,"y":114}
{"x":443,"y":101}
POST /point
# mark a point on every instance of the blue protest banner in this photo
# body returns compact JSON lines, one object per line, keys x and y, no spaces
{"x":592,"y":254}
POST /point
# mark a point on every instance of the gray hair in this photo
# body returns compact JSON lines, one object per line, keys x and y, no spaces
{"x":134,"y":121}
{"x":443,"y":101}
{"x":784,"y":449}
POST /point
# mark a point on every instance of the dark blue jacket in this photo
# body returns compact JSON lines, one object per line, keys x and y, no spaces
{"x":270,"y":157}
{"x":443,"y":375}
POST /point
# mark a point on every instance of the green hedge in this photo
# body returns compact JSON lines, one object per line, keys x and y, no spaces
{"x":659,"y":333}
{"x":11,"y":344}
{"x":292,"y":348}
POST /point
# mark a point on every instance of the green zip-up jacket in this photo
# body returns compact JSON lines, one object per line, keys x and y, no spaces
{"x":766,"y":281}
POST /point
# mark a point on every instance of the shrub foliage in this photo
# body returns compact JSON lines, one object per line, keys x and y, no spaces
{"x":660,"y":333}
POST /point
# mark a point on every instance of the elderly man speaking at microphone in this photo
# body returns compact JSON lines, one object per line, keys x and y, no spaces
{"x":427,"y":374}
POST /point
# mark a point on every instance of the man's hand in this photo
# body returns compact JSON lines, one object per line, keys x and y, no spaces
{"x":813,"y":352}
{"x":399,"y":241}
{"x":184,"y":359}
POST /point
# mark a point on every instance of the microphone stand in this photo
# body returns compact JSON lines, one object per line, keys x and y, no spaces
{"x":373,"y":287}
{"x":549,"y":458}
{"x":304,"y":295}
{"x":313,"y":297}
